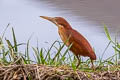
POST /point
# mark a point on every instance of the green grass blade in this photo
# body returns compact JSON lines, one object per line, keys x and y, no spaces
{"x":27,"y":53}
{"x":5,"y":30}
{"x":48,"y":53}
{"x":63,"y":57}
{"x":14,"y":39}
{"x":12,"y":54}
{"x":105,"y":50}
{"x":61,"y":49}
{"x":107,"y":32}
{"x":58,"y":52}
{"x":37,"y":55}
{"x":42,"y":56}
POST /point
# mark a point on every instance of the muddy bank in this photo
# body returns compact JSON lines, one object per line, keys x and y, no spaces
{"x":42,"y":72}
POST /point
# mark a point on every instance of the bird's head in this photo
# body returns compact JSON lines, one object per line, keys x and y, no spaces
{"x":58,"y":21}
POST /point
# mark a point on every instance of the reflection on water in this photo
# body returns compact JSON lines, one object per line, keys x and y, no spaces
{"x":86,"y":16}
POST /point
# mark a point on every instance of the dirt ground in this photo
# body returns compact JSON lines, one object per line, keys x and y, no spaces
{"x":42,"y":72}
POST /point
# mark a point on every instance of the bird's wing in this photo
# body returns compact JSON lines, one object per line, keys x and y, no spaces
{"x":81,"y":42}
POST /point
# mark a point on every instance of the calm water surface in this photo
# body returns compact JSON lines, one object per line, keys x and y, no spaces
{"x":86,"y":16}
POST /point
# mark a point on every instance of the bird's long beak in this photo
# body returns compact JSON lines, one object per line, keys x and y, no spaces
{"x":50,"y":19}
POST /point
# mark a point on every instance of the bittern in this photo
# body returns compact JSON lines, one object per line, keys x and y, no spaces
{"x":80,"y":45}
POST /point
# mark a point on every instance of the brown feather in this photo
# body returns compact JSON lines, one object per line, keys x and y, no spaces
{"x":80,"y":45}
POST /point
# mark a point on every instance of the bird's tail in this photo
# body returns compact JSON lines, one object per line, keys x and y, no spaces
{"x":92,"y":56}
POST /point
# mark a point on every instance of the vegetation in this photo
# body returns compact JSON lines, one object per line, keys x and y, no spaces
{"x":10,"y":55}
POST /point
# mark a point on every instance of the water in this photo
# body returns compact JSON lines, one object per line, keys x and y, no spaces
{"x":86,"y":16}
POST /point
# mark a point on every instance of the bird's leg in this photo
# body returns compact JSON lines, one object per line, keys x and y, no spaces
{"x":93,"y":67}
{"x":78,"y":57}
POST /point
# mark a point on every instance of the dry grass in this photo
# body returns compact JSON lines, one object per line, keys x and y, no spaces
{"x":42,"y":72}
{"x":19,"y":65}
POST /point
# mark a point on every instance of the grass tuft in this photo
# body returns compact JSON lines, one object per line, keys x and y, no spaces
{"x":11,"y":54}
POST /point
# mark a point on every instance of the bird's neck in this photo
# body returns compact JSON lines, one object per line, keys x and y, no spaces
{"x":67,"y":26}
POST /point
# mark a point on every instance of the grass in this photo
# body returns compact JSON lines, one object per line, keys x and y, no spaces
{"x":10,"y":54}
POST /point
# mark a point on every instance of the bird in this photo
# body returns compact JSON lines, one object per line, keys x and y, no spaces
{"x":80,"y":45}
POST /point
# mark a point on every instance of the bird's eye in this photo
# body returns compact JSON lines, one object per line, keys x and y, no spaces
{"x":55,"y":19}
